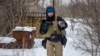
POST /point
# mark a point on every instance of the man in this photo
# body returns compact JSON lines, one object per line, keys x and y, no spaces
{"x":51,"y":28}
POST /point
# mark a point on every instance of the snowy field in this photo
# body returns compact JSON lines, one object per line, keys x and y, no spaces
{"x":38,"y":50}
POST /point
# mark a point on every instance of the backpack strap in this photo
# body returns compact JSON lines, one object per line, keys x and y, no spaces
{"x":56,"y":25}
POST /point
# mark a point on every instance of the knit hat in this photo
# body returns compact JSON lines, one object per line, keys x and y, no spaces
{"x":50,"y":9}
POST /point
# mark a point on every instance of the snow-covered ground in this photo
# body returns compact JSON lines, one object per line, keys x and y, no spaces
{"x":7,"y":39}
{"x":38,"y":50}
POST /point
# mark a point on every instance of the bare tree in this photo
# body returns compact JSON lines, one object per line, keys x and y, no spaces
{"x":89,"y":12}
{"x":13,"y":13}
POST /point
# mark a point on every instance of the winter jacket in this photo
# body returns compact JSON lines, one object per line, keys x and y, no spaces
{"x":59,"y":35}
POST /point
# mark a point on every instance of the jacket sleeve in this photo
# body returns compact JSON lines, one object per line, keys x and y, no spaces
{"x":43,"y":27}
{"x":61,"y":23}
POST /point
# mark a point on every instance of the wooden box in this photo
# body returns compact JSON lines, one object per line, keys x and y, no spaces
{"x":25,"y":37}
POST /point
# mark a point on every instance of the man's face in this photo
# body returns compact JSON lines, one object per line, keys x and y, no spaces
{"x":50,"y":14}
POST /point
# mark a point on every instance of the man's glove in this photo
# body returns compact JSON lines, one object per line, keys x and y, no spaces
{"x":61,"y":23}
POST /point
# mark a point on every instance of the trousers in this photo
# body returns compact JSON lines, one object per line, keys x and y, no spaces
{"x":54,"y":48}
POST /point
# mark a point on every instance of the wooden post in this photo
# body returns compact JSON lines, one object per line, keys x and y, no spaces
{"x":54,"y":3}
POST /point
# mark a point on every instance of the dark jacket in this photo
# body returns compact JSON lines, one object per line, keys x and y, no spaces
{"x":47,"y":29}
{"x":59,"y":37}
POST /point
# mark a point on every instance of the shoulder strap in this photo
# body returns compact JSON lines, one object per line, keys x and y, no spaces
{"x":55,"y":24}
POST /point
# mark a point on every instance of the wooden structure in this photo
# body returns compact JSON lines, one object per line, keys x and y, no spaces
{"x":22,"y":38}
{"x":29,"y":18}
{"x":25,"y":37}
{"x":33,"y":19}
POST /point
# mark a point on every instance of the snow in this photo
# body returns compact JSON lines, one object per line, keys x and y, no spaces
{"x":38,"y":50}
{"x":79,"y":33}
{"x":26,"y":28}
{"x":7,"y":39}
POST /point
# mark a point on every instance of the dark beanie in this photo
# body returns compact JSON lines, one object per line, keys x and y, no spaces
{"x":48,"y":10}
